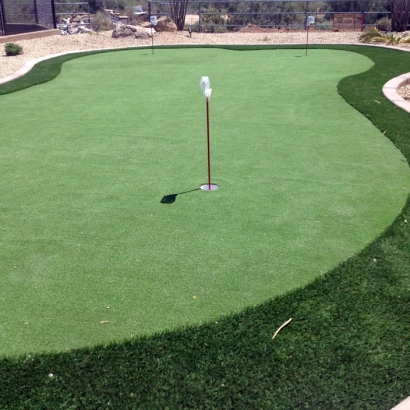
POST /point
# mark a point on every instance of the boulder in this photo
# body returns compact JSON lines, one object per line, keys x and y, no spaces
{"x":123,"y":30}
{"x":80,"y":17}
{"x":143,"y":32}
{"x":126,"y":30}
{"x":165,"y":23}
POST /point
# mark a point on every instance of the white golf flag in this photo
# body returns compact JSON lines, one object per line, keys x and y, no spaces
{"x":206,"y":87}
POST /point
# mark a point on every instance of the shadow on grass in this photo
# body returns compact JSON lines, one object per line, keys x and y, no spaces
{"x":170,"y":199}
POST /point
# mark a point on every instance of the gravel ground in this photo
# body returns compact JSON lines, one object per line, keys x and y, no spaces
{"x":405,"y":92}
{"x":36,"y":48}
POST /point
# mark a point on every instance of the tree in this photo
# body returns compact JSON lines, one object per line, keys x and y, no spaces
{"x":212,"y":20}
{"x":95,"y":5}
{"x":178,"y":12}
{"x":400,"y":14}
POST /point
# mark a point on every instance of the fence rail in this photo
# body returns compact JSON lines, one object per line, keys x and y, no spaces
{"x":65,"y":9}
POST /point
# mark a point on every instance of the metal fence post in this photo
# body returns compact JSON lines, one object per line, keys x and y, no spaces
{"x":53,"y":12}
{"x":199,"y":20}
{"x":2,"y":19}
{"x":306,"y":14}
{"x":364,"y":14}
{"x":35,"y":10}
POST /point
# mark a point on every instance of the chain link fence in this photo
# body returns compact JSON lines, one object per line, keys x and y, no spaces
{"x":233,"y":15}
{"x":22,"y":16}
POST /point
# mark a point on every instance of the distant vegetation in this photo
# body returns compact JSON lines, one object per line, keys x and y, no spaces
{"x":372,"y":35}
{"x":224,"y":14}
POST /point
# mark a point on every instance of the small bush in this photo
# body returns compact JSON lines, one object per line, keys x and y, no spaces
{"x":101,"y":22}
{"x":194,"y":28}
{"x":218,"y":29}
{"x":383,"y":24}
{"x":322,"y":24}
{"x":13,"y":49}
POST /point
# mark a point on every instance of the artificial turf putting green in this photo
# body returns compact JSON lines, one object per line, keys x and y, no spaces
{"x":305,"y":182}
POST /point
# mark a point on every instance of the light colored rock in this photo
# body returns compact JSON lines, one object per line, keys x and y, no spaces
{"x":126,"y":30}
{"x":144,"y":32}
{"x":79,"y":17}
{"x":123,"y":30}
{"x":166,"y":24}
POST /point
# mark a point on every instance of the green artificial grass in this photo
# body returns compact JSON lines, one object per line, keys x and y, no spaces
{"x":95,"y":256}
{"x":345,"y":348}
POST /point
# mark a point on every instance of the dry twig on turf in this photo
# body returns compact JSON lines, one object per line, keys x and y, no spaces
{"x":281,"y":327}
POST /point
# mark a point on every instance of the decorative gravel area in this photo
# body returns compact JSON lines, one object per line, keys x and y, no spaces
{"x":405,"y":92}
{"x":41,"y":47}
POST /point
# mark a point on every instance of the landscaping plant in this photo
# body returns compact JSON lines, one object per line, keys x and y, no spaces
{"x":13,"y":49}
{"x":372,"y":35}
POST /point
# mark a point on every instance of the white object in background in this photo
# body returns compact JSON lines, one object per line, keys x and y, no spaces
{"x":153,"y":20}
{"x":206,"y":87}
{"x":311,"y":20}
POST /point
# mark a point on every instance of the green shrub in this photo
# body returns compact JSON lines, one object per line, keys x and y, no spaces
{"x":323,"y":24}
{"x":101,"y":22}
{"x":372,"y":35}
{"x":383,"y":24}
{"x":13,"y":49}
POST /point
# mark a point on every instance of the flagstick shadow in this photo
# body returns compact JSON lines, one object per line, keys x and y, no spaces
{"x":170,"y":199}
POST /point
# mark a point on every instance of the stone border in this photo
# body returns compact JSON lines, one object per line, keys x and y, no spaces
{"x":404,"y":405}
{"x":390,"y":91}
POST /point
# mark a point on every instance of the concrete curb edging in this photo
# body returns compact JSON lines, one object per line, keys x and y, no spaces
{"x":30,"y":64}
{"x":390,"y":91}
{"x":404,"y":405}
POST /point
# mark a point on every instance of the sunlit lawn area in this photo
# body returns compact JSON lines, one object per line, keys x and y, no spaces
{"x":89,"y":254}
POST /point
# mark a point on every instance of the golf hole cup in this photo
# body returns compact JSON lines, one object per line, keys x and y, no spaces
{"x":205,"y":85}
